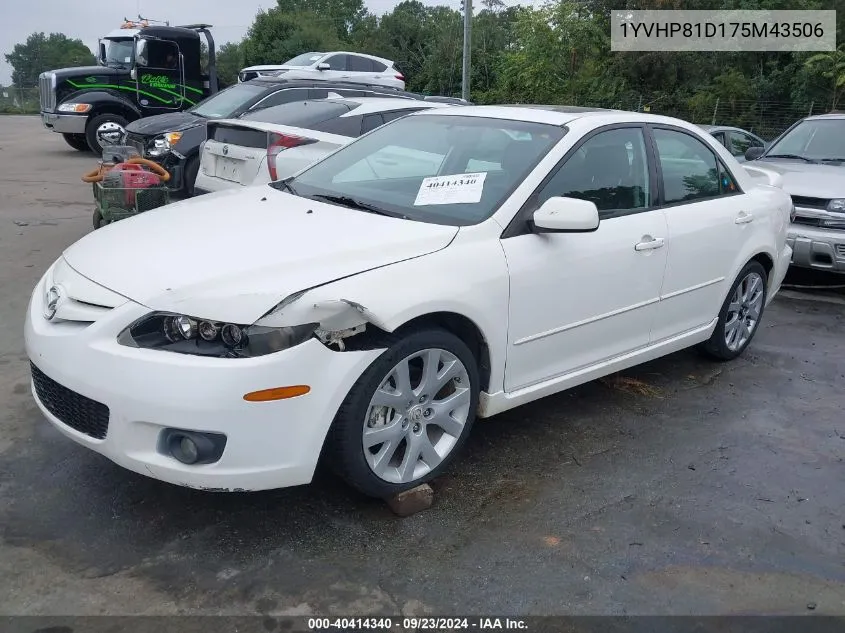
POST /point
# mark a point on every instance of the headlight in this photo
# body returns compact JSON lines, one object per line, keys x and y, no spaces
{"x":202,"y":337}
{"x":75,"y":107}
{"x":163,"y":143}
{"x":836,"y":205}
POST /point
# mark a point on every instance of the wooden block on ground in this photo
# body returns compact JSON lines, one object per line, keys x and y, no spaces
{"x":411,"y":501}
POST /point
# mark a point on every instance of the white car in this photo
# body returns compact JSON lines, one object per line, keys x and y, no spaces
{"x":334,"y":66}
{"x":504,"y":254}
{"x":277,"y":142}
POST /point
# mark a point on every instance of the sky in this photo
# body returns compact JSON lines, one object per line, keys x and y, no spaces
{"x":90,"y":20}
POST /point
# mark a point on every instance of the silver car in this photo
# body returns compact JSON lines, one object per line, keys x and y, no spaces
{"x":810,"y":159}
{"x":736,"y":140}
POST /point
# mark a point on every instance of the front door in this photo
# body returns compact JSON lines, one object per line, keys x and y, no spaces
{"x":582,"y":298}
{"x":160,"y":77}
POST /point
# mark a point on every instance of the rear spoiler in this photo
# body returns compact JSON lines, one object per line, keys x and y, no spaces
{"x":768,"y":176}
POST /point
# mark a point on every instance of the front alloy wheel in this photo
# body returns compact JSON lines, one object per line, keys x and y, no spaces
{"x":407,"y":415}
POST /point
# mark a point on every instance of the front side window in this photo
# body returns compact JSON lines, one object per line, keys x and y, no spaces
{"x":337,"y":62}
{"x":741,"y":143}
{"x":433,"y":168}
{"x":690,"y":169}
{"x":609,"y":169}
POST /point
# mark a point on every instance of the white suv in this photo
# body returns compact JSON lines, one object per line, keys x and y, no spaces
{"x":334,"y":66}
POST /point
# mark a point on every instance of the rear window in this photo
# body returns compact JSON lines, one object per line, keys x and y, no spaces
{"x":234,"y":135}
{"x":299,"y":114}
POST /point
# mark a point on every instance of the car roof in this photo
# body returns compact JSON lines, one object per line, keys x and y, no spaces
{"x":383,"y":60}
{"x":278,"y":83}
{"x":725,"y":128}
{"x":829,"y":115}
{"x":556,"y":115}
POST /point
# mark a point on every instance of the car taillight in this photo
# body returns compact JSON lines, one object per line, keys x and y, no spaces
{"x":278,"y":143}
{"x":400,"y":77}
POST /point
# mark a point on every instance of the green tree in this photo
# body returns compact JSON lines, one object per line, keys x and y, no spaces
{"x":276,"y":36}
{"x":831,"y":66}
{"x":43,"y":52}
{"x":230,"y":59}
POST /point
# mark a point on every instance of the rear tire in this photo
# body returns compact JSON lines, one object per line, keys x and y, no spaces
{"x":95,"y":123}
{"x":388,"y":437}
{"x":739,"y":318}
{"x":77,"y":142}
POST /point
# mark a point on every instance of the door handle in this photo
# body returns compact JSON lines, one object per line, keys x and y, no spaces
{"x":649,"y":244}
{"x":744,"y":218}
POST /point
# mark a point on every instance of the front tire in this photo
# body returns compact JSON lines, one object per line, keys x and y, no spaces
{"x":407,"y":416}
{"x":101,"y":127}
{"x":739,"y":318}
{"x":77,"y":142}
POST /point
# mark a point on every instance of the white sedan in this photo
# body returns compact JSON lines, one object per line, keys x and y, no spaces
{"x":447,"y":266}
{"x":279,"y":141}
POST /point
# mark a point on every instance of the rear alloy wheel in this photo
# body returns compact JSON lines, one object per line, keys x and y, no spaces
{"x":77,"y":142}
{"x":407,"y":416}
{"x":740,"y":315}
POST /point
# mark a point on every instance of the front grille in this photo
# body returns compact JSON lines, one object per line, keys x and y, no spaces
{"x":73,"y":409}
{"x":840,"y":250}
{"x":810,"y":203}
{"x":46,"y":93}
{"x":807,"y":221}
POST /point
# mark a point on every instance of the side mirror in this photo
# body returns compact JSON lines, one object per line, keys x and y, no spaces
{"x":753,"y":153}
{"x":566,"y":215}
{"x":324,"y":66}
{"x":141,"y":53}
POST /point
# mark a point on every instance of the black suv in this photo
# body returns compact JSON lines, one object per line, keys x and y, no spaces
{"x":173,"y":140}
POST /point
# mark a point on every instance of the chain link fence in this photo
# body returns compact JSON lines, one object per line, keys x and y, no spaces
{"x":766,"y":119}
{"x":14,"y":100}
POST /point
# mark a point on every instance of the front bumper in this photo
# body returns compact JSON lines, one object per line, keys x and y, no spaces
{"x":64,"y":123}
{"x":816,"y":247}
{"x":268,"y":444}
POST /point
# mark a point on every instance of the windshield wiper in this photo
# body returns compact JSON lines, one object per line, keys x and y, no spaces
{"x":804,"y":158}
{"x":352,"y":203}
{"x":283,"y":185}
{"x":831,"y":160}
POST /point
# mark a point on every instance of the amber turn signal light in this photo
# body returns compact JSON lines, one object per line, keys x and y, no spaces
{"x":277,"y":393}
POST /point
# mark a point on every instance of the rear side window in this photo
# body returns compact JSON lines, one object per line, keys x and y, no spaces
{"x":299,"y":114}
{"x":690,"y":169}
{"x":359,"y":64}
{"x":740,"y":143}
{"x":345,"y":126}
{"x":378,"y":67}
{"x":282,"y":96}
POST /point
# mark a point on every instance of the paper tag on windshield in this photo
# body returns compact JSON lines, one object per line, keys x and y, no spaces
{"x":456,"y":189}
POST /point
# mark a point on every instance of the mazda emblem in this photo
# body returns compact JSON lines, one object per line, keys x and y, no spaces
{"x":51,"y":302}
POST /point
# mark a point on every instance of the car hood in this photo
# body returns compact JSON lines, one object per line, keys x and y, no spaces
{"x":233,"y":255}
{"x":83,"y":71}
{"x":161,"y":123}
{"x":808,"y":179}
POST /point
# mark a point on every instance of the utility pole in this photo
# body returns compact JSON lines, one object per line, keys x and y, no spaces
{"x":467,"y":70}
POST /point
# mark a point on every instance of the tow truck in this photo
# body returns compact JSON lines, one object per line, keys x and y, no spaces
{"x":144,"y":69}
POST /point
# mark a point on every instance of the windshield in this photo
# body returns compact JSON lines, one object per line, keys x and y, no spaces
{"x":119,"y":53}
{"x":306,"y":59}
{"x":452,"y":170}
{"x":813,"y":139}
{"x":227,"y":102}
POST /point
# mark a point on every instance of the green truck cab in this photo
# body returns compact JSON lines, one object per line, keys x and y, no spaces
{"x":143,"y":70}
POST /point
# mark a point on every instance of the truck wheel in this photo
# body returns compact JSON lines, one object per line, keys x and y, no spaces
{"x":77,"y":142}
{"x":104,"y":129}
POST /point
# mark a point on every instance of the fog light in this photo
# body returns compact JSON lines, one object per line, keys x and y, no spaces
{"x":192,"y":448}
